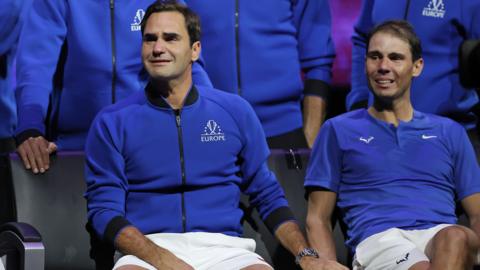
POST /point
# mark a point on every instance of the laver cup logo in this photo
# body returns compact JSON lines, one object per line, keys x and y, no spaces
{"x":137,"y":20}
{"x":212,"y":132}
{"x":435,"y":9}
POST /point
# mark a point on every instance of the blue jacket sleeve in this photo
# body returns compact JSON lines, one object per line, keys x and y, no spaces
{"x":9,"y":29}
{"x":38,"y":52}
{"x":471,"y":18}
{"x":262,"y":186}
{"x":316,"y":51}
{"x":107,"y":184}
{"x":359,"y":93}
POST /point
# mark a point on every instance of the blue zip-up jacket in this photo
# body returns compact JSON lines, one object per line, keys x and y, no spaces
{"x":258,"y":50}
{"x":12,"y":14}
{"x":102,"y":65}
{"x":441,"y":25}
{"x":165,"y":170}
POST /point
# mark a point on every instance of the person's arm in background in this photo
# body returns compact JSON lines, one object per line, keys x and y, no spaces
{"x":316,"y":52}
{"x":359,"y":93}
{"x":39,"y":47}
{"x":10,"y":11}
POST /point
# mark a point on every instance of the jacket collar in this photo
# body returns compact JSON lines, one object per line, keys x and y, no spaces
{"x":158,"y":100}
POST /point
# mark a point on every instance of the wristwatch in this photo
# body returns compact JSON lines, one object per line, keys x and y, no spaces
{"x":305,"y":252}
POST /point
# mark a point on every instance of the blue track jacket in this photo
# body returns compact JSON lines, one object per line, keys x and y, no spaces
{"x":102,"y":65}
{"x":166,"y":170}
{"x":258,"y":50}
{"x":12,"y":14}
{"x":441,"y":25}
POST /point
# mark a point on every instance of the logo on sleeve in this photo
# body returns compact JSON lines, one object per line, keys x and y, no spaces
{"x":212,"y":132}
{"x":435,"y":9}
{"x":428,"y":137}
{"x":137,"y":20}
{"x":366,"y":140}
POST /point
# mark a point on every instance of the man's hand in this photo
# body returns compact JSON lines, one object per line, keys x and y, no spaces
{"x":312,"y":263}
{"x":35,"y":153}
{"x":314,"y":110}
{"x":168,"y":261}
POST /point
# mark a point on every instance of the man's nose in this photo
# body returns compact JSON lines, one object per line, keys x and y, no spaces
{"x":159,"y":46}
{"x":384,"y":66}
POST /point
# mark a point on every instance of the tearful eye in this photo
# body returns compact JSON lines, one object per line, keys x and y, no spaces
{"x":171,"y":37}
{"x":149,"y":38}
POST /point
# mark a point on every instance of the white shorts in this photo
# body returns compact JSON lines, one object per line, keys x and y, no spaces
{"x":394,"y":249}
{"x":203,"y":251}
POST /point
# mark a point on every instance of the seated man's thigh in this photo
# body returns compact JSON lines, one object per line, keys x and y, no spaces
{"x":448,"y":234}
{"x":388,"y":250}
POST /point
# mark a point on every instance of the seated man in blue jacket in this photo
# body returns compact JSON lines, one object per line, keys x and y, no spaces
{"x":165,"y":167}
{"x":395,"y":173}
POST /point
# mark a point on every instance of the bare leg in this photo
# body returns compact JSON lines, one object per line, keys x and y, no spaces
{"x":452,"y":248}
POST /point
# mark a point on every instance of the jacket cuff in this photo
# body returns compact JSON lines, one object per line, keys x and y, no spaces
{"x":113,"y":228}
{"x":277,"y":217}
{"x":316,"y":88}
{"x":24,"y":135}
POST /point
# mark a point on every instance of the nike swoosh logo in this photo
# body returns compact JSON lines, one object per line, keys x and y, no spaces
{"x":426,"y":137}
{"x":368,"y":140}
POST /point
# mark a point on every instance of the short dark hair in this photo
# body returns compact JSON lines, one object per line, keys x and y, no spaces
{"x":402,"y":30}
{"x":192,"y":21}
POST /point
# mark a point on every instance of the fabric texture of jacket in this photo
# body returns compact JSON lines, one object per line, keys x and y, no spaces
{"x":166,"y":170}
{"x":441,"y":25}
{"x":258,"y":50}
{"x":12,"y":14}
{"x":101,"y":65}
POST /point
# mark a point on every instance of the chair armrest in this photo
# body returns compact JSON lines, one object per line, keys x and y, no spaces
{"x":22,"y":244}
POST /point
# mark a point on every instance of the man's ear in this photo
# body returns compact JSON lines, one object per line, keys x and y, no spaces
{"x":196,"y":48}
{"x":417,"y":67}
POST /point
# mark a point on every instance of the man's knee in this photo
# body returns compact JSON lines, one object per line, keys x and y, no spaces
{"x":454,"y":235}
{"x":457,"y":238}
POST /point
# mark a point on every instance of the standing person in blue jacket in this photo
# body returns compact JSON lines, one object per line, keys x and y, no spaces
{"x":442,"y":25}
{"x":99,"y":64}
{"x":395,"y":173}
{"x":162,"y":166}
{"x":12,"y":14}
{"x":258,"y":50}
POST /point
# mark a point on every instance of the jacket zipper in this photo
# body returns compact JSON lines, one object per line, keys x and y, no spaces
{"x":178,"y":120}
{"x":114,"y":50}
{"x":405,"y":16}
{"x":237,"y":45}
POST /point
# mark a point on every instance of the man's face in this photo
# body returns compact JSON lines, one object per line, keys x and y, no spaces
{"x":389,"y":66}
{"x":166,"y":51}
